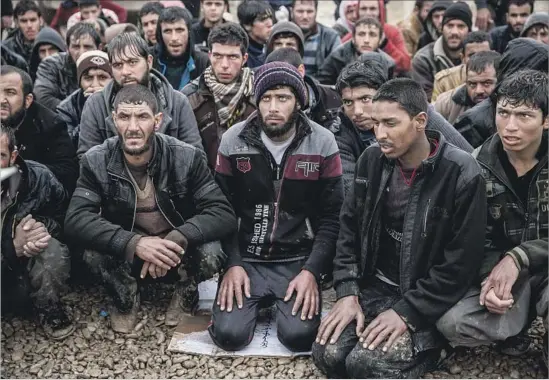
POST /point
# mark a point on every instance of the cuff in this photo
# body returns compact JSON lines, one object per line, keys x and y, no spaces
{"x":518,"y":255}
{"x":129,"y":251}
{"x":192,"y":233}
{"x":347,"y":288}
{"x":408,"y":314}
{"x":178,"y":238}
{"x":233,"y":261}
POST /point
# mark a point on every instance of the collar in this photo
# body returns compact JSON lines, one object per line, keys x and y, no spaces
{"x":431,"y":162}
{"x":439,"y":53}
{"x":251,"y":133}
{"x":117,"y":162}
{"x":461,"y":97}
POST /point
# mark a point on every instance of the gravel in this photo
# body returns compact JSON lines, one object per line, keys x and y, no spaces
{"x":95,"y":351}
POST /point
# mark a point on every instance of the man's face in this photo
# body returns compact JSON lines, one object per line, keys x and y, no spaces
{"x":436,"y":19}
{"x":213,"y":10}
{"x":176,"y":37}
{"x":261,"y":29}
{"x":473,"y":48}
{"x":454,"y":32}
{"x":278,"y":110}
{"x":368,"y":8}
{"x":7,"y":158}
{"x":285,"y":42}
{"x":95,"y":79}
{"x":129,"y":68}
{"x":81,"y":45}
{"x":366,"y":38}
{"x":29,"y":23}
{"x":90,"y":12}
{"x":481,"y":85}
{"x":136,"y":125}
{"x":539,"y":33}
{"x":517,"y":15}
{"x":357,"y":105}
{"x":394,"y":129}
{"x":227,"y":62}
{"x":45,"y":50}
{"x":424,"y":10}
{"x":519,"y":127}
{"x":351,"y":13}
{"x":12,"y":100}
{"x":304,"y":15}
{"x":149,"y":22}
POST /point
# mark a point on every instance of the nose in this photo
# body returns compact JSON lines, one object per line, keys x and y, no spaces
{"x":357,"y":109}
{"x":512,"y":124}
{"x":126,"y":69}
{"x":225,"y":62}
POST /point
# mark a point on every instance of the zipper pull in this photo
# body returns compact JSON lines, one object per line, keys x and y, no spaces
{"x":278,"y":172}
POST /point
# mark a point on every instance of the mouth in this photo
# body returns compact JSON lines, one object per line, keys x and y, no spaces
{"x":511,"y":140}
{"x":386,"y":148}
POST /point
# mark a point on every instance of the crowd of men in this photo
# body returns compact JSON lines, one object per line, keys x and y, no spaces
{"x":404,"y":165}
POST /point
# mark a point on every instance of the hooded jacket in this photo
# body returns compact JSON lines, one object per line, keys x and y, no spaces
{"x":55,"y":79}
{"x":46,"y":36}
{"x":448,"y":79}
{"x":16,"y":43}
{"x":343,"y":26}
{"x":394,"y":44}
{"x":501,"y":36}
{"x":538,"y":18}
{"x":9,"y":57}
{"x":97,"y":124}
{"x":430,"y":33}
{"x":477,"y":124}
{"x":451,"y":104}
{"x":285,"y":27}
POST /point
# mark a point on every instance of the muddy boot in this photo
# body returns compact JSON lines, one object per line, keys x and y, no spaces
{"x":56,"y":323}
{"x":125,"y":322}
{"x":184,"y":301}
{"x":516,"y":345}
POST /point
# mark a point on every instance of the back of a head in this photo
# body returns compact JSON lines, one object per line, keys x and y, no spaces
{"x":358,"y":74}
{"x":127,"y":43}
{"x":25,"y":6}
{"x":249,"y":10}
{"x":381,"y":60}
{"x":525,"y":87}
{"x":25,"y":77}
{"x":116,"y":29}
{"x":409,"y":95}
{"x":483,"y":59}
{"x":523,"y":53}
{"x":136,"y":94}
{"x":229,"y":33}
{"x":287,"y":55}
{"x":477,"y":37}
{"x":81,"y":29}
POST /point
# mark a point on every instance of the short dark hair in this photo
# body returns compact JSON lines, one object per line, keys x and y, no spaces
{"x":477,"y":37}
{"x":368,"y":21}
{"x":409,"y":95}
{"x":229,"y":33}
{"x":520,"y":3}
{"x":287,"y":55}
{"x":481,"y":60}
{"x":132,"y":41}
{"x":25,"y":6}
{"x":10,"y":134}
{"x":357,"y":74}
{"x":528,"y":87}
{"x":151,"y":7}
{"x":305,"y":1}
{"x":88,"y":3}
{"x":249,"y":10}
{"x":136,"y":94}
{"x":81,"y":29}
{"x":25,"y":77}
{"x":174,"y":14}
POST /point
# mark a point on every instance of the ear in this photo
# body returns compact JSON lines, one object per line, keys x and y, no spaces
{"x":244,"y":59}
{"x":301,"y":69}
{"x":13,"y":156}
{"x":157,"y":121}
{"x":150,"y":60}
{"x":41,"y":19}
{"x":248,"y":28}
{"x":546,"y":123}
{"x":420,"y":121}
{"x":28,"y":100}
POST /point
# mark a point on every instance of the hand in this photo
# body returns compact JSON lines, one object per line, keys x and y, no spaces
{"x":160,"y":252}
{"x":92,"y":90}
{"x":304,"y":284}
{"x":345,"y":310}
{"x":234,"y":280}
{"x":387,"y":327}
{"x":7,"y":21}
{"x":496,"y":305}
{"x":484,"y":18}
{"x":28,"y":234}
{"x":501,"y":279}
{"x":154,"y":270}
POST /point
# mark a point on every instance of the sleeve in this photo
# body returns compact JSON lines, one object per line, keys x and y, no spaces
{"x":454,"y":272}
{"x":396,"y":48}
{"x":437,"y":89}
{"x":90,"y":133}
{"x":46,"y":85}
{"x":54,"y":213}
{"x":328,"y":72}
{"x":470,"y":132}
{"x":348,"y":161}
{"x":61,"y":157}
{"x":436,"y":121}
{"x":421,"y":73}
{"x":188,"y":129}
{"x":531,"y":255}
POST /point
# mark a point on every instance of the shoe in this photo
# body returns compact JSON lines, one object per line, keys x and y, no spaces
{"x":56,"y":323}
{"x":184,"y":301}
{"x":125,"y":322}
{"x":516,"y":345}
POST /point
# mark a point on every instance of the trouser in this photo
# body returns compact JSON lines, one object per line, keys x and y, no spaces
{"x":347,"y":358}
{"x":269,"y":282}
{"x":470,"y":324}
{"x":42,"y":278}
{"x":120,"y":276}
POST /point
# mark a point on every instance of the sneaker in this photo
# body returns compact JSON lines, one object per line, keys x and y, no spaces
{"x":56,"y":323}
{"x":125,"y":322}
{"x":516,"y":345}
{"x":184,"y":301}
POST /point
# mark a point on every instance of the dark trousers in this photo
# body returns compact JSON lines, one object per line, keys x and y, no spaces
{"x":120,"y":276}
{"x":348,"y":359}
{"x":234,"y":330}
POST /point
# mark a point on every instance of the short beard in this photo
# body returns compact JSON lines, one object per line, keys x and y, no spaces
{"x":137,"y":151}
{"x":143,"y":81}
{"x":13,"y":121}
{"x":448,"y":48}
{"x":274,"y":131}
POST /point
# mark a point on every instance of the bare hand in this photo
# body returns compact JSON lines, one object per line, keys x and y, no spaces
{"x":484,"y":18}
{"x":160,"y":252}
{"x":387,"y":327}
{"x":304,"y":284}
{"x":27,"y":233}
{"x":92,"y":90}
{"x":154,"y":270}
{"x":234,"y":280}
{"x":345,"y":310}
{"x":501,"y":279}
{"x":496,"y":305}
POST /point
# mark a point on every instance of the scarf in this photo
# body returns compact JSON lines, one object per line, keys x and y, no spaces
{"x":228,"y":97}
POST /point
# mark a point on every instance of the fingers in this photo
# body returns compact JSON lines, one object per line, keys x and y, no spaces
{"x":323,"y":325}
{"x":152,"y":270}
{"x":171,"y":258}
{"x":338,"y":330}
{"x":238,"y":295}
{"x":498,"y":303}
{"x":163,"y":260}
{"x":222,"y":296}
{"x":307,"y":305}
{"x":359,"y":323}
{"x":298,"y":302}
{"x":230,"y":296}
{"x":247,"y":286}
{"x":372,"y":334}
{"x":176,"y":248}
{"x":369,"y":328}
{"x":317,"y":301}
{"x":326,"y":329}
{"x":506,"y":293}
{"x":379,"y":339}
{"x":312,"y":306}
{"x":24,"y":222}
{"x":487,"y":285}
{"x":145,"y":269}
{"x":289,"y":291}
{"x":392,"y":338}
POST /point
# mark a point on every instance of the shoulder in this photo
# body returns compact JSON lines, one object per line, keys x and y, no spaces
{"x":327,"y":31}
{"x":424,"y":53}
{"x":233,"y":133}
{"x":55,"y":60}
{"x":468,"y":166}
{"x":98,"y":156}
{"x":391,"y":30}
{"x":191,"y":87}
{"x":447,"y":72}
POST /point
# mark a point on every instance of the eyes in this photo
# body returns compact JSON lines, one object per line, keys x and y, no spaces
{"x":505,"y":114}
{"x":280,"y":98}
{"x":131,"y":63}
{"x":232,"y":57}
{"x":364,"y":100}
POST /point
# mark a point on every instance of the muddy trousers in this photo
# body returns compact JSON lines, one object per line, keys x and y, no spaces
{"x":234,"y":330}
{"x":469,"y":324}
{"x":42,"y":277}
{"x":120,"y":276}
{"x":347,"y":358}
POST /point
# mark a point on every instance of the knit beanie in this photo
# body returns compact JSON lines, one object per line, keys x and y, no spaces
{"x":275,"y":74}
{"x":458,"y":11}
{"x":94,"y":59}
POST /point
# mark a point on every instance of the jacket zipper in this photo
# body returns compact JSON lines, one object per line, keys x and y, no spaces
{"x":424,"y":234}
{"x":135,"y":199}
{"x":275,"y":220}
{"x":6,"y":213}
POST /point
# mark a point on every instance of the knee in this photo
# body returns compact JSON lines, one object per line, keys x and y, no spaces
{"x":360,"y":363}
{"x":229,"y":334}
{"x":53,"y":261}
{"x":299,"y":336}
{"x":210,"y":258}
{"x":330,"y":359}
{"x":448,"y":324}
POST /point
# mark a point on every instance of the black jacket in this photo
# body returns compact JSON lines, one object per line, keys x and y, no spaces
{"x":9,"y":57}
{"x":16,"y":43}
{"x":285,"y":211}
{"x":36,"y":191}
{"x":514,"y":228}
{"x":55,"y":80}
{"x":102,"y":210}
{"x":47,"y":35}
{"x":323,"y":102}
{"x":42,"y":136}
{"x":501,"y":36}
{"x":477,"y":123}
{"x":442,"y":240}
{"x":70,"y":111}
{"x":430,"y":33}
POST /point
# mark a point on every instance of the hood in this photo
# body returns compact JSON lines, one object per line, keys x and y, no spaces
{"x":523,"y":53}
{"x":342,"y":20}
{"x":286,"y":27}
{"x":538,"y":18}
{"x":437,"y":6}
{"x":160,"y":49}
{"x":344,"y":53}
{"x":46,"y":35}
{"x":385,"y":62}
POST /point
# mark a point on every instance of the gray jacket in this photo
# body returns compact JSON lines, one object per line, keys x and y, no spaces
{"x":178,"y":120}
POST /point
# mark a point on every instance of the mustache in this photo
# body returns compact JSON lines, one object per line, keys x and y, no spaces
{"x":131,"y":135}
{"x":385,"y":143}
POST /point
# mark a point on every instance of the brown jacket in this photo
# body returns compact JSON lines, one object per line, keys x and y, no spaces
{"x":411,"y":28}
{"x":451,"y":104}
{"x":447,"y":80}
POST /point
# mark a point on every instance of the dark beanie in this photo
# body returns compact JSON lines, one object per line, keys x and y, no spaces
{"x":458,"y":11}
{"x":275,"y":74}
{"x":94,"y":59}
